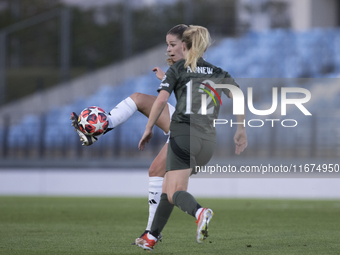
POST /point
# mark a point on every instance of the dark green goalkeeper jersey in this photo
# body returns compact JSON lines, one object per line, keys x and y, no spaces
{"x":192,"y":89}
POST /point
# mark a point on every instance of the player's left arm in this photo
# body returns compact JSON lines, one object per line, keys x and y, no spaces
{"x":159,"y":73}
{"x":156,"y":111}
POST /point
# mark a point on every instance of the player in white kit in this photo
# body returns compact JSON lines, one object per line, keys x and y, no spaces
{"x":143,"y":103}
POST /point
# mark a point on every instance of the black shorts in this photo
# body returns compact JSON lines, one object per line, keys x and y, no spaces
{"x":188,"y":151}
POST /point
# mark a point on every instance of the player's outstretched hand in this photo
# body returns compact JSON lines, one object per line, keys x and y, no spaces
{"x":159,"y":72}
{"x":86,"y":139}
{"x":145,"y":139}
{"x":240,"y":140}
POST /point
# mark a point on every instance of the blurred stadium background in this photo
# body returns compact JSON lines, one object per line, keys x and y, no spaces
{"x":59,"y":56}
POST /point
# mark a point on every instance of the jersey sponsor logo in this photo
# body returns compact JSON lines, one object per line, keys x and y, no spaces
{"x":164,"y":85}
{"x":164,"y":78}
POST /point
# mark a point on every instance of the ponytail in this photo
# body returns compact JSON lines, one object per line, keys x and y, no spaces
{"x":197,"y":40}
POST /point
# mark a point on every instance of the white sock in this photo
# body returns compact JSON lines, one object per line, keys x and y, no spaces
{"x":155,"y":191}
{"x":197,"y":214}
{"x":151,"y":237}
{"x":122,"y":112}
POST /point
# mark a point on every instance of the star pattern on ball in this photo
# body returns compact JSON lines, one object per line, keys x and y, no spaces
{"x":83,"y":122}
{"x":95,"y":111}
{"x":99,"y":126}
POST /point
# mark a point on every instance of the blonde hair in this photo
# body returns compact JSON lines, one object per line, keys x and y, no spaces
{"x":197,"y":40}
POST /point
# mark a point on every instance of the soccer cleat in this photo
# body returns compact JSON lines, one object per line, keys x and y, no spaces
{"x":137,"y":239}
{"x":147,"y":241}
{"x":86,"y":139}
{"x":202,"y":224}
{"x":159,"y":238}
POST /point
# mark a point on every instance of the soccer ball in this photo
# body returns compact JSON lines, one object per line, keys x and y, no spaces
{"x":93,"y":121}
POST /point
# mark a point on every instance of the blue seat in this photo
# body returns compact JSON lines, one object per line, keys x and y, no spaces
{"x":275,"y":53}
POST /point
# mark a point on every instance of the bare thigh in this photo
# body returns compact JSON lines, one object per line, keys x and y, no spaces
{"x":157,"y":167}
{"x":144,"y":104}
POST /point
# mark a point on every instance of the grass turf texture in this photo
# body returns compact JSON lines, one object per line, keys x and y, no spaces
{"x":64,"y":225}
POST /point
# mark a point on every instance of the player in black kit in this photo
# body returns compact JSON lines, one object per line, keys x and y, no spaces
{"x":192,"y":133}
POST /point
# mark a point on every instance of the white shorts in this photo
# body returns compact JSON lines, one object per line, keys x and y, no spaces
{"x":171,"y":111}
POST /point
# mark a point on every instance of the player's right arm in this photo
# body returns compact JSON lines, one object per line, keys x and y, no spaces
{"x":156,"y":111}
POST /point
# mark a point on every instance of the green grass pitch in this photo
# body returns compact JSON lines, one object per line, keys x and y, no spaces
{"x":79,"y":225}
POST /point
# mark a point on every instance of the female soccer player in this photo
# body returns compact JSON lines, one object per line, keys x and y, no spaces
{"x":143,"y":103}
{"x":192,"y":135}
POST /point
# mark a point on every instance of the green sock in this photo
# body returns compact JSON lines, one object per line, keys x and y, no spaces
{"x":162,"y":215}
{"x":186,"y":202}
